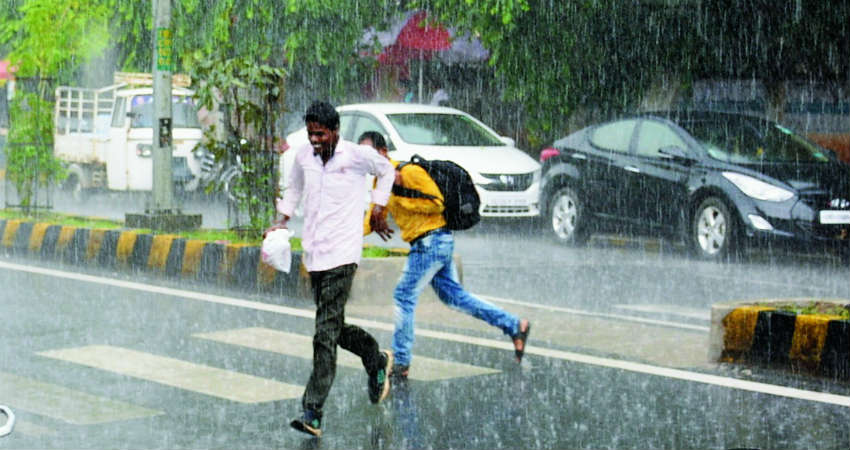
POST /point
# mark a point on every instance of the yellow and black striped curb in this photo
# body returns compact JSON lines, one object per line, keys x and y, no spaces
{"x":762,"y":334}
{"x":233,"y":264}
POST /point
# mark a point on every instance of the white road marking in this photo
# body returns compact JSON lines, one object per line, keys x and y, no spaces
{"x":733,"y":383}
{"x":693,"y":313}
{"x":301,"y":346}
{"x":65,"y":404}
{"x":31,"y":429}
{"x":579,"y":312}
{"x":207,"y":380}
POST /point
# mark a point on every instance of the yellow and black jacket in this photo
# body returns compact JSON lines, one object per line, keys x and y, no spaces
{"x":414,"y":216}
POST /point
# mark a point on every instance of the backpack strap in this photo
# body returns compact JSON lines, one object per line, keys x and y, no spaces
{"x":402,"y":191}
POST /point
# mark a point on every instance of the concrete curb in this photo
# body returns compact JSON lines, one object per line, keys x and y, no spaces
{"x":237,"y":265}
{"x":818,"y":344}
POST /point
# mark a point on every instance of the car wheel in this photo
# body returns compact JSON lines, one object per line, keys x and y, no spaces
{"x":566,"y":217}
{"x":713,"y":230}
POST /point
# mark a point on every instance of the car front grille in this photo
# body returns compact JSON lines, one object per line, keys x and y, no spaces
{"x":510,"y":182}
{"x":500,"y":210}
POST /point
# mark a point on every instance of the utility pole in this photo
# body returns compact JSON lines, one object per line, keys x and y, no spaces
{"x":161,"y":213}
{"x":163,"y":191}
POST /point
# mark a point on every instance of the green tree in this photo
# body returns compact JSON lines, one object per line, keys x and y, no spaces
{"x":250,"y":95}
{"x":773,"y":42}
{"x":571,"y":62}
{"x":47,"y":38}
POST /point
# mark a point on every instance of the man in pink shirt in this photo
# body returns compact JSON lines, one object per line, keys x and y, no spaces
{"x":330,"y":176}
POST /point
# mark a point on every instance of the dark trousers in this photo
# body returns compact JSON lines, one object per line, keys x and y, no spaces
{"x":330,"y":292}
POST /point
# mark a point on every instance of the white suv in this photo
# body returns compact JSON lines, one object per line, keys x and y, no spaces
{"x":507,"y":179}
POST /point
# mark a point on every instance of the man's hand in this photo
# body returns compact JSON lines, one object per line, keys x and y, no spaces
{"x":276,"y":226}
{"x":378,"y":223}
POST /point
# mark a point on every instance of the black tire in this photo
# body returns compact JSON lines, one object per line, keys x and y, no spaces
{"x":566,"y":217}
{"x":714,"y":231}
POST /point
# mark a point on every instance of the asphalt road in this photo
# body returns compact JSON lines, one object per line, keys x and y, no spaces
{"x":612,"y":319}
{"x":105,"y":360}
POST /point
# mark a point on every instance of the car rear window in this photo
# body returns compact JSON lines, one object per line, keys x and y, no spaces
{"x":614,"y":136}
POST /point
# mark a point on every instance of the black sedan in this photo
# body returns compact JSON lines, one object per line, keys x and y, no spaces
{"x":715,"y":180}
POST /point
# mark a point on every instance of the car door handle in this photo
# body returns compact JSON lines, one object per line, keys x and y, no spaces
{"x":578,"y":156}
{"x":631,"y":169}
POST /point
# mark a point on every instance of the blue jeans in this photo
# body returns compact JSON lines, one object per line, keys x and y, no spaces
{"x":430,"y":259}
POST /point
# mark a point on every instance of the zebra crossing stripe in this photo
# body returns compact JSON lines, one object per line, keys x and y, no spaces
{"x":207,"y":380}
{"x":31,"y":429}
{"x":301,"y":346}
{"x":65,"y":404}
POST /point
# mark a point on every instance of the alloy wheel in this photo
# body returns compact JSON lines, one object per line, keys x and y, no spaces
{"x":565,"y":216}
{"x":711,"y":230}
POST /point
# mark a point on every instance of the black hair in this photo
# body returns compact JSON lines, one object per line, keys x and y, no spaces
{"x":376,"y":138}
{"x":324,"y":113}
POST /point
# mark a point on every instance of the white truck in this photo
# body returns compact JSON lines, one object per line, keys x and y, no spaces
{"x":104,"y":136}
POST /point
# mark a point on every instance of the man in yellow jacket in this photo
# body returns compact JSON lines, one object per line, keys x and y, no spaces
{"x":430,"y":260}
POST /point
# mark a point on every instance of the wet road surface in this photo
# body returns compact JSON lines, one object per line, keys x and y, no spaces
{"x":104,"y":360}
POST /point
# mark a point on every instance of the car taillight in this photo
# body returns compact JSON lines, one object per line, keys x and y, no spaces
{"x":548,"y":152}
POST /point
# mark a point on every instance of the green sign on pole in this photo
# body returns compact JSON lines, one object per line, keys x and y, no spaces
{"x":163,"y":49}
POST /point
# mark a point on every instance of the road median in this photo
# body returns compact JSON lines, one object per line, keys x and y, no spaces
{"x":764,"y":333}
{"x":237,"y":265}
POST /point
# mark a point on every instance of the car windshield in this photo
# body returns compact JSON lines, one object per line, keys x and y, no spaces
{"x":745,"y":142}
{"x":442,"y":129}
{"x":183,"y":112}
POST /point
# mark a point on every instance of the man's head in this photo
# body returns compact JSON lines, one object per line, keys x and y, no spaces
{"x":322,"y":127}
{"x":374,"y":139}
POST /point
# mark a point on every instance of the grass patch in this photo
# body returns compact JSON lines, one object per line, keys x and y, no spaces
{"x":63,"y":219}
{"x":370,"y":251}
{"x":812,"y":307}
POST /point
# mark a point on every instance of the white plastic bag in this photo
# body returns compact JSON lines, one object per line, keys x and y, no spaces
{"x":276,"y":251}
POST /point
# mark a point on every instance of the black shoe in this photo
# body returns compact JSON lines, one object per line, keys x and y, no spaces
{"x":523,"y":337}
{"x":309,"y":423}
{"x":400,"y":371}
{"x":379,"y":382}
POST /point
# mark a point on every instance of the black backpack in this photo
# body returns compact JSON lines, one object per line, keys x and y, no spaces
{"x":459,"y":195}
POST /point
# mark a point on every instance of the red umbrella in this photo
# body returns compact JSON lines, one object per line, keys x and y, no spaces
{"x":419,"y":34}
{"x":418,"y":38}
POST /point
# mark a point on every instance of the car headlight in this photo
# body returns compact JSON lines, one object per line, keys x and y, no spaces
{"x":758,"y":189}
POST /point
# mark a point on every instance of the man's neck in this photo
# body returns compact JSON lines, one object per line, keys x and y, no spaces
{"x":326,"y":156}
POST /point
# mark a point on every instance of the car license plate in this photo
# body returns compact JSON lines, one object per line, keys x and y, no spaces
{"x":832,"y":217}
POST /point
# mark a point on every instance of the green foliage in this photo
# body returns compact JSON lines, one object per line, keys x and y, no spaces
{"x":251,"y":95}
{"x":50,"y":35}
{"x":47,"y":38}
{"x":29,"y":150}
{"x":569,"y":59}
{"x":131,"y":38}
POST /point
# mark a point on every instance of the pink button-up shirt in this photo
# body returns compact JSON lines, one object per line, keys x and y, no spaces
{"x":334,"y":204}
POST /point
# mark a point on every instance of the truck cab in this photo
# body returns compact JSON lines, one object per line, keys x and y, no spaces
{"x":105,"y":135}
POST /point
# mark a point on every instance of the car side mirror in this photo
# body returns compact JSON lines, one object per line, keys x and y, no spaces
{"x":508,"y":141}
{"x":675,"y":152}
